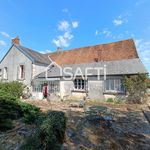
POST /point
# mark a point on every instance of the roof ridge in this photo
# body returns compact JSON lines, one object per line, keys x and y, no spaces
{"x":29,"y":49}
{"x":34,"y":55}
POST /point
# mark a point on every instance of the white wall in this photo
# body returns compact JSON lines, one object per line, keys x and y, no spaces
{"x":95,"y":89}
{"x":37,"y":69}
{"x":12,"y":61}
{"x":65,"y":88}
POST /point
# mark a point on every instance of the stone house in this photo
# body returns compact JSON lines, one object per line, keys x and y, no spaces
{"x":95,"y":72}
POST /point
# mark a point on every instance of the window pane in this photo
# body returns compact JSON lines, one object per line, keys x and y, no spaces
{"x":83,"y":84}
{"x":75,"y":83}
{"x":122,"y":88}
{"x":111,"y":84}
{"x":107,"y":85}
{"x":79,"y":84}
{"x":117,"y":84}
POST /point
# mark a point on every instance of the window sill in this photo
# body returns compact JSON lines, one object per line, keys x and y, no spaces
{"x":21,"y":79}
{"x":79,"y":91}
{"x":4,"y":79}
{"x":114,"y":92}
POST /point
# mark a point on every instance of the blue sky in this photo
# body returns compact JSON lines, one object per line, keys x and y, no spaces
{"x":45,"y":25}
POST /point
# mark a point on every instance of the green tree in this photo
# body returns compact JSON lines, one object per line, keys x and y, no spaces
{"x":136,"y":87}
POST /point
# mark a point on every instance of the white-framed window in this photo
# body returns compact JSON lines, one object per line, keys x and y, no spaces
{"x":21,"y":72}
{"x":5,"y":73}
{"x":79,"y":84}
{"x":114,"y":85}
{"x":53,"y":86}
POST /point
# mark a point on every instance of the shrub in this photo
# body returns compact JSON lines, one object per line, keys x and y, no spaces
{"x":148,"y":83}
{"x":30,"y":112}
{"x":136,"y":88}
{"x":11,"y":108}
{"x":110,"y":100}
{"x":50,"y":132}
{"x":6,"y":124}
{"x":13,"y":88}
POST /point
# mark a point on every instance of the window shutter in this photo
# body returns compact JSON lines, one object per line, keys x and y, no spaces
{"x":24,"y":71}
{"x":18,"y":72}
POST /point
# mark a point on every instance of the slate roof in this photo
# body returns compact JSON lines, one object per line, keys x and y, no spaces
{"x":104,"y":52}
{"x":35,"y":56}
{"x":117,"y":67}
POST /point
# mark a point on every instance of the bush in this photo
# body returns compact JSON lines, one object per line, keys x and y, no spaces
{"x":148,"y":83}
{"x":11,"y":108}
{"x":50,"y":133}
{"x":30,"y":112}
{"x":6,"y":124}
{"x":110,"y":100}
{"x":13,"y":88}
{"x":136,"y":88}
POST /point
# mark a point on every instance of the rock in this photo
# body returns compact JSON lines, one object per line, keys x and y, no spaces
{"x":83,"y":133}
{"x":70,"y":133}
{"x":64,"y":147}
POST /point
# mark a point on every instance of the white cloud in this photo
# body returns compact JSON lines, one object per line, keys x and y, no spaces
{"x":45,"y":51}
{"x":2,"y":43}
{"x":140,"y":2}
{"x":106,"y":32}
{"x":143,"y":48}
{"x":121,"y":19}
{"x":113,"y":35}
{"x":75,"y":24}
{"x":117,"y":22}
{"x":63,"y":25}
{"x":63,"y":40}
{"x":96,"y":32}
{"x":5,"y":34}
{"x":65,"y":10}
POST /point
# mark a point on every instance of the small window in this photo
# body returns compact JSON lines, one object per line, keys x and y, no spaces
{"x":5,"y":73}
{"x":79,"y":84}
{"x":114,"y":85}
{"x":21,"y":72}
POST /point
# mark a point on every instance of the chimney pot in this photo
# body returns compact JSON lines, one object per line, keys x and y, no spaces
{"x":16,"y":40}
{"x":59,"y":49}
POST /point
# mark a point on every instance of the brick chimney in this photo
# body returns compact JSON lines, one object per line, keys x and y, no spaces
{"x":16,"y":40}
{"x":59,"y":49}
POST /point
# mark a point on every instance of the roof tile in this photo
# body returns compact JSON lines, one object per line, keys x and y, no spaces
{"x":105,"y":52}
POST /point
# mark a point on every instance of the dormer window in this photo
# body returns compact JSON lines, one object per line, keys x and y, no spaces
{"x":5,"y":73}
{"x":21,"y":70}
